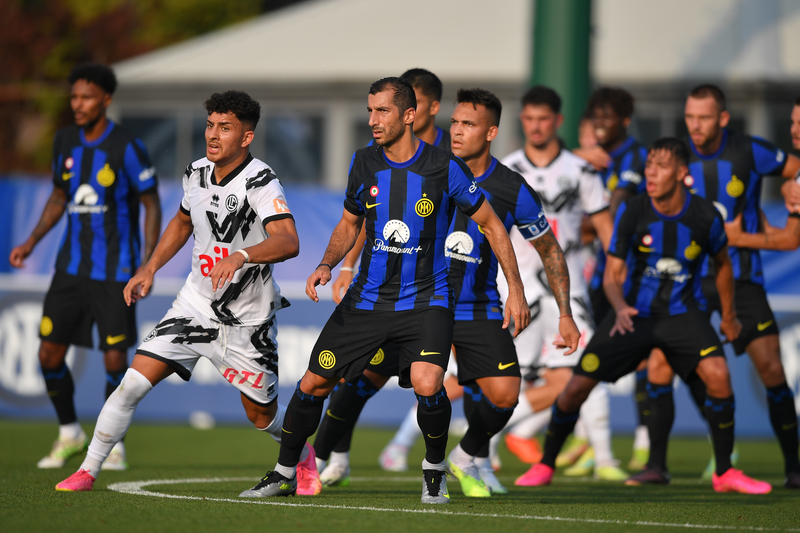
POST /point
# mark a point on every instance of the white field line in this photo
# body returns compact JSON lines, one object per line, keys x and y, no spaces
{"x":137,"y":488}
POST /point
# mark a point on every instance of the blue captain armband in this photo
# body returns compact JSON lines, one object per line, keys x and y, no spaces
{"x":535,"y":229}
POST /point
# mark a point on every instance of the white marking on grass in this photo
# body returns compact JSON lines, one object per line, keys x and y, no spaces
{"x":137,"y":488}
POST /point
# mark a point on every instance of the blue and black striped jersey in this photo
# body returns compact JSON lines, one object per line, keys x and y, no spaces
{"x":664,"y":255}
{"x":442,"y":140}
{"x":731,"y":179}
{"x":408,"y":208}
{"x":102,"y":180}
{"x":470,"y":259}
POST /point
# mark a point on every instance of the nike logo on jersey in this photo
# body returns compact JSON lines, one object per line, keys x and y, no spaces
{"x":289,"y":432}
{"x":423,"y":353}
{"x":67,"y":175}
{"x":114,"y":340}
{"x":646,"y":250}
{"x":707,"y":351}
{"x":727,"y":425}
{"x":501,"y":366}
{"x":765,"y":325}
{"x":370,"y":206}
{"x":328,"y":412}
{"x":437,"y":436}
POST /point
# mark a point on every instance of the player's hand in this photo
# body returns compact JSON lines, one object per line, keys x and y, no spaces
{"x":791,"y":194}
{"x":138,"y":287}
{"x":595,"y":156}
{"x":19,"y":254}
{"x":517,"y":308}
{"x":341,"y":284}
{"x":733,"y":230}
{"x":731,"y":328}
{"x":570,"y":335}
{"x":321,"y":276}
{"x":624,"y":322}
{"x":224,"y":270}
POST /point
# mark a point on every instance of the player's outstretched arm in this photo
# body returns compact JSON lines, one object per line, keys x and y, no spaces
{"x":555,"y":267}
{"x":175,"y":236}
{"x":53,"y":210}
{"x":342,"y":240}
{"x":604,"y":226}
{"x":787,"y":238}
{"x":613,"y":280}
{"x":595,"y":156}
{"x":347,"y":270}
{"x":282,"y":244}
{"x":496,"y":234}
{"x":152,"y":221}
{"x":730,"y":325}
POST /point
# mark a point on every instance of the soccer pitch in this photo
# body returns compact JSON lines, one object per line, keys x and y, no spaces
{"x":200,"y":473}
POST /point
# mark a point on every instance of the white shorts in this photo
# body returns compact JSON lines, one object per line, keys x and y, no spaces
{"x":246,"y":356}
{"x":535,"y":344}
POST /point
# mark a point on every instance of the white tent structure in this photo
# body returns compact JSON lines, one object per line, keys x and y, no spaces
{"x":310,"y":66}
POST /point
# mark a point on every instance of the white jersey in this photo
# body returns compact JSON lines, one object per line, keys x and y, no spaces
{"x":228,"y":216}
{"x":568,"y":187}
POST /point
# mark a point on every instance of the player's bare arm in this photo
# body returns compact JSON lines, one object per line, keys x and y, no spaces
{"x":555,"y":267}
{"x":347,"y":270}
{"x":496,"y":234}
{"x":342,"y":240}
{"x":174,"y":238}
{"x":282,"y":244}
{"x":613,"y":280}
{"x":730,"y":326}
{"x":595,"y":156}
{"x":786,"y":238}
{"x":604,"y":226}
{"x":152,"y":222}
{"x":53,"y":210}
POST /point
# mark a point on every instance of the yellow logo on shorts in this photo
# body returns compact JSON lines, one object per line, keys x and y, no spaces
{"x":590,"y":362}
{"x":735,"y":187}
{"x":46,"y":327}
{"x":106,"y":176}
{"x":424,"y":207}
{"x":327,"y":360}
{"x":692,"y":251}
{"x":378,"y":357}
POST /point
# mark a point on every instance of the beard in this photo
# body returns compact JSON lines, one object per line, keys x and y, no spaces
{"x":391,"y":133}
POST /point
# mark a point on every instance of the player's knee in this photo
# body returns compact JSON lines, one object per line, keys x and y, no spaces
{"x":714,"y":373}
{"x":771,"y":371}
{"x":575,"y":393}
{"x":51,"y":355}
{"x":377,"y":379}
{"x":658,"y":369}
{"x":133,"y":388}
{"x":316,"y":385}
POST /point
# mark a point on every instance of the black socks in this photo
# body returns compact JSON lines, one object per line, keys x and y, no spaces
{"x":485,"y":421}
{"x":336,"y":430}
{"x":299,"y":423}
{"x":433,"y":417}
{"x":61,"y":390}
{"x":719,"y":414}
{"x":561,"y":425}
{"x":659,"y":422}
{"x":783,"y":417}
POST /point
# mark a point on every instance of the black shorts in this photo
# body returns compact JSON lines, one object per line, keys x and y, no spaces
{"x":752,"y":310}
{"x":600,"y":305}
{"x":386,"y":361}
{"x":352,"y":337}
{"x":73,"y":304}
{"x":484,"y":349}
{"x":685,"y":340}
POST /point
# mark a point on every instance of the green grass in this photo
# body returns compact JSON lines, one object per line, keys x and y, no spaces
{"x":28,"y":501}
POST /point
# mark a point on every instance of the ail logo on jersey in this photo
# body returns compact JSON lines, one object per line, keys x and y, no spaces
{"x":735,"y":187}
{"x":207,"y":262}
{"x":692,"y":251}
{"x":280,"y":206}
{"x":395,"y":234}
{"x":667,"y":267}
{"x":459,"y":245}
{"x":106,"y":176}
{"x":231,"y":203}
{"x":255,"y":380}
{"x":85,"y":201}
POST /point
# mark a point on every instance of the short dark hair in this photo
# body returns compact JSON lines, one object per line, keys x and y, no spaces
{"x":797,"y":101}
{"x":707,"y":90}
{"x":404,"y":97}
{"x":618,"y":99}
{"x":247,"y":110}
{"x":541,"y":95}
{"x":101,"y":75}
{"x":424,"y":80}
{"x":483,"y":97}
{"x":674,"y":146}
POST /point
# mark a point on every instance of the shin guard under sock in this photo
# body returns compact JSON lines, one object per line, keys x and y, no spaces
{"x":640,"y":394}
{"x":433,"y":416}
{"x":719,"y":414}
{"x":299,"y":423}
{"x":659,"y":422}
{"x":472,"y":396}
{"x":486,"y":420}
{"x":61,"y":390}
{"x":783,"y":417}
{"x":561,"y":425}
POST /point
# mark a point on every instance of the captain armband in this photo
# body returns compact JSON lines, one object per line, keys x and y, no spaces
{"x":534,"y":230}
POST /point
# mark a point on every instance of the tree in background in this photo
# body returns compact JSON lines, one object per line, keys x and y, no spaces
{"x":41,"y":40}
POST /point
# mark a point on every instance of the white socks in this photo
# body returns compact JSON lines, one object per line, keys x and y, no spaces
{"x":594,"y":414}
{"x":115,"y":419}
{"x":340,"y":458}
{"x":532,"y":425}
{"x":461,"y":458}
{"x":275,"y":427}
{"x":641,"y":439}
{"x":70,"y":431}
{"x":430,"y":466}
{"x":409,"y":430}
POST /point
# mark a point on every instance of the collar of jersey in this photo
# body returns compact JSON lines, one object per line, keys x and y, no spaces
{"x":235,"y":172}
{"x":405,"y":164}
{"x":679,"y":215}
{"x":100,"y":139}
{"x":624,"y":146}
{"x":715,"y":154}
{"x":548,"y":164}
{"x":488,"y":172}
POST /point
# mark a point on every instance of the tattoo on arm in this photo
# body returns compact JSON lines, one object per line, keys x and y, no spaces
{"x":51,"y":214}
{"x":555,"y":266}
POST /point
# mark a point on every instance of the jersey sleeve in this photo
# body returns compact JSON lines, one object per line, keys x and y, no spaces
{"x":717,"y":238}
{"x":266,"y":196}
{"x":355,"y":186}
{"x":631,"y":175}
{"x":185,"y":207}
{"x":767,"y":158}
{"x":529,"y":216}
{"x":57,"y":179}
{"x":140,"y":171}
{"x":624,"y":229}
{"x":592,"y":191}
{"x":462,"y":188}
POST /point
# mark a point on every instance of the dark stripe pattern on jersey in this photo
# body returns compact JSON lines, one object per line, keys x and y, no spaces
{"x":731,"y":179}
{"x":408,"y":208}
{"x":664,"y":254}
{"x":471,"y":262}
{"x":103,"y":180}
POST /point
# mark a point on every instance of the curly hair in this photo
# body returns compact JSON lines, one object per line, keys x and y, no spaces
{"x":247,"y":110}
{"x":101,"y":75}
{"x":619,"y":100}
